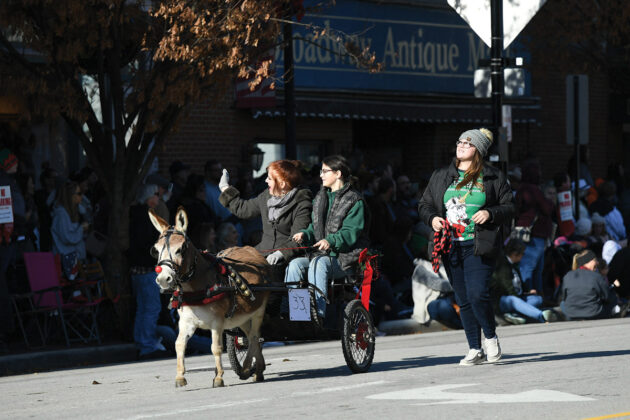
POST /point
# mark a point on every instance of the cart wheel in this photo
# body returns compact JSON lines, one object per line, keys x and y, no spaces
{"x":236,"y":345}
{"x":357,"y":340}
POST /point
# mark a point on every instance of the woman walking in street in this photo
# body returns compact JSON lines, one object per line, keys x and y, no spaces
{"x":470,"y":202}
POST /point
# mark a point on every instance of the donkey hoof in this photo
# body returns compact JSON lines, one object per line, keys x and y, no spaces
{"x":180,"y":382}
{"x":245,"y":374}
{"x":217,"y":383}
{"x":259,"y":377}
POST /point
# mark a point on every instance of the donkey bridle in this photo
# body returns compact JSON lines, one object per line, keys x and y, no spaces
{"x":176,"y":268}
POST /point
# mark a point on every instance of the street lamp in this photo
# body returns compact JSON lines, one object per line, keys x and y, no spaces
{"x":256,"y":156}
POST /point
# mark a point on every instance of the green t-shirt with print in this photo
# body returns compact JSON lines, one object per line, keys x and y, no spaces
{"x":461,"y":205}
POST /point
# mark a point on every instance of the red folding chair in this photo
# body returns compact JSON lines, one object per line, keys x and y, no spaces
{"x":48,"y":300}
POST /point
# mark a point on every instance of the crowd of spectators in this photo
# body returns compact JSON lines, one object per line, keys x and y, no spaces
{"x":534,"y":279}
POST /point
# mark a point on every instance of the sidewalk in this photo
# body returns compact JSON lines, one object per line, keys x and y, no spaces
{"x":45,"y":360}
{"x":77,"y":357}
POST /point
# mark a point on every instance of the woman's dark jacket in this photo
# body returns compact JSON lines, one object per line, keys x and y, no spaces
{"x":499,"y":203}
{"x":296,"y":215}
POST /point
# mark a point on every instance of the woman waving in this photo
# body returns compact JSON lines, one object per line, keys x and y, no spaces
{"x":285,"y":208}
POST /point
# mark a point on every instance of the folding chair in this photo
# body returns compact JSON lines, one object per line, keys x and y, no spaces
{"x":48,"y":299}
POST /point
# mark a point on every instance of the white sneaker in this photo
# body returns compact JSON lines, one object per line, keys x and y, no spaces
{"x":474,"y":357}
{"x":493,"y":349}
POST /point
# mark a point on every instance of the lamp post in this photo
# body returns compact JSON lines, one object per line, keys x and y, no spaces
{"x":496,"y":68}
{"x":289,"y":93}
{"x":256,"y":158}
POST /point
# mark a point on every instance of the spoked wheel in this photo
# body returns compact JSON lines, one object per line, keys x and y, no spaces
{"x":237,"y":346}
{"x":357,"y":339}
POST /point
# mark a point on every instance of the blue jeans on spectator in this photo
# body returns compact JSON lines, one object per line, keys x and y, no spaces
{"x":320,"y":270}
{"x":531,"y":266}
{"x":442,"y":310}
{"x":196,"y":344}
{"x":148,"y":308}
{"x":470,"y":276}
{"x":528,"y":307}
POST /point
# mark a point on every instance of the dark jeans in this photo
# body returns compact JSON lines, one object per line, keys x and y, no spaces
{"x":470,"y":276}
{"x":442,"y":310}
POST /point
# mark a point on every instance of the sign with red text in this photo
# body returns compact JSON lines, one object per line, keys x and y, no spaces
{"x":564,"y":205}
{"x":6,"y":205}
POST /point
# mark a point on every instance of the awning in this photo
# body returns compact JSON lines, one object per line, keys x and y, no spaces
{"x":425,"y":109}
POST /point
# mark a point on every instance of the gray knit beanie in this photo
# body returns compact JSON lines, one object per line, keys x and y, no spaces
{"x":480,"y":138}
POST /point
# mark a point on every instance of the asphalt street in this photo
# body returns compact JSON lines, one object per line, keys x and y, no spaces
{"x":565,"y":370}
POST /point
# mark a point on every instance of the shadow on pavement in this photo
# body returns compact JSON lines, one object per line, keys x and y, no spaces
{"x":547,"y":357}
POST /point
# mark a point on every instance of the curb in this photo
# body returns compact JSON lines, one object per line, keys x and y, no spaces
{"x":68,"y":358}
{"x":409,"y":326}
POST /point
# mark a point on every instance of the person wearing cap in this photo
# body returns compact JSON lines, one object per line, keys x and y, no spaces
{"x":142,"y":236}
{"x":606,"y":207}
{"x":471,"y":202}
{"x":585,"y":294}
{"x":164,"y":194}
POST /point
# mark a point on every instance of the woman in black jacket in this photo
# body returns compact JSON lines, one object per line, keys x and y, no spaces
{"x":285,"y":209}
{"x":472,"y":201}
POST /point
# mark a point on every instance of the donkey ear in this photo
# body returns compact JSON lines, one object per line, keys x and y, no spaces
{"x":160,"y":224}
{"x":181,"y":220}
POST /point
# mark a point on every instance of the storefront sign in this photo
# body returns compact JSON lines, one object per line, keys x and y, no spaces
{"x":424,"y":50}
{"x":6,"y":205}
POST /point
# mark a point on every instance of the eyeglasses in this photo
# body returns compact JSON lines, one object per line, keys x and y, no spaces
{"x":325,"y":171}
{"x":464,"y":144}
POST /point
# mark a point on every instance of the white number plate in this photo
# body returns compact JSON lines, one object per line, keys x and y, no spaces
{"x":299,"y":305}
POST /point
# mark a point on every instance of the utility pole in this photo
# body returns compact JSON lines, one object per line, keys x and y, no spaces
{"x":576,"y":144}
{"x":496,"y":70}
{"x":289,"y":93}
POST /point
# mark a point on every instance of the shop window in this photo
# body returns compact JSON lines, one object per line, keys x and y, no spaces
{"x":311,"y":153}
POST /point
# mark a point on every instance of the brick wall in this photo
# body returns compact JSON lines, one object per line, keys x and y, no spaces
{"x":217,"y":130}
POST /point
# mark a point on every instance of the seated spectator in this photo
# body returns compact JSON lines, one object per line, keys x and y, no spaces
{"x":179,"y":175}
{"x":585,"y":293}
{"x":44,"y":199}
{"x":406,"y":198}
{"x":619,"y":271}
{"x":533,"y":209}
{"x":194,"y":202}
{"x":67,"y":231}
{"x":506,"y":289}
{"x":227,"y":236}
{"x":433,"y":296}
{"x":382,"y":211}
{"x":398,"y":261}
{"x":82,"y":178}
{"x":164,"y":194}
{"x":605,"y":206}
